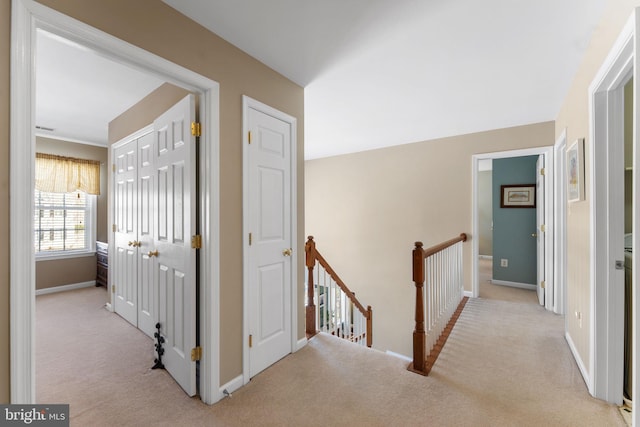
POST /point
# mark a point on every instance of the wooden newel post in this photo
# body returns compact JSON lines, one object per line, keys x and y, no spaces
{"x":419,"y":335}
{"x":310,"y":250}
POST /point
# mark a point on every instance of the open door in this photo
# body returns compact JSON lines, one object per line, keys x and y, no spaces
{"x":540,"y":230}
{"x":175,"y":224}
{"x":154,"y":266}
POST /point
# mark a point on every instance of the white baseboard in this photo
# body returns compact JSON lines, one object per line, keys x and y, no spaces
{"x":528,"y":286}
{"x":300,"y":344}
{"x":64,"y":288}
{"x":485,"y":256}
{"x":468,"y":294}
{"x":231,"y":386}
{"x":579,"y":362}
{"x":399,"y":356}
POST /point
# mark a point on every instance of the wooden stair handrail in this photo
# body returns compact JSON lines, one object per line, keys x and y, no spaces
{"x":312,"y":255}
{"x":419,"y":364}
{"x":442,"y":246}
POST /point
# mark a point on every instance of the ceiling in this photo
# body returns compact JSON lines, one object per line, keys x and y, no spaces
{"x":78,"y":91}
{"x":376,"y":73}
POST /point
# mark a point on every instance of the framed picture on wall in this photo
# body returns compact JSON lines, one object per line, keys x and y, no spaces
{"x":518,"y":196}
{"x":575,"y":171}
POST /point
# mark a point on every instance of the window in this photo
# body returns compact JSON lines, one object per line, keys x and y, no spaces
{"x":63,"y":223}
{"x":65,"y":205}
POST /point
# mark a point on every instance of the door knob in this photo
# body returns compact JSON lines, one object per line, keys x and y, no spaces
{"x":153,"y":253}
{"x":130,"y":244}
{"x":287,"y":252}
{"x":534,"y":234}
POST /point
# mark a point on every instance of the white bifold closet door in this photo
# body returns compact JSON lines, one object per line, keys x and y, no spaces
{"x":154,"y":265}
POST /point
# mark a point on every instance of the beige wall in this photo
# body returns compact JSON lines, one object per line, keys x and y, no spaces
{"x":145,"y":111}
{"x":574,"y":116}
{"x":366,"y":210}
{"x":51,"y":273}
{"x":156,"y":27}
{"x":5,"y":37}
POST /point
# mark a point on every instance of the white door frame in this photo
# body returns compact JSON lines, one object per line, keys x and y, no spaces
{"x":606,"y":153}
{"x":548,"y":194}
{"x":248,"y":103}
{"x":27,"y":17}
{"x":559,"y":222}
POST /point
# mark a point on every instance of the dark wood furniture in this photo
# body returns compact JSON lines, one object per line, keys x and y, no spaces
{"x":102,"y":255}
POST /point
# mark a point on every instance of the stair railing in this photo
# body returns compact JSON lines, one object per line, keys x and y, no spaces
{"x":331,"y":306}
{"x":442,"y":267}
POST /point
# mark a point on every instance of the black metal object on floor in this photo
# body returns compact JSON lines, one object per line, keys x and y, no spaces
{"x":159,"y":349}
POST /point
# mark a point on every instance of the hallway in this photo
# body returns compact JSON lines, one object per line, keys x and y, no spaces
{"x":495,"y":370}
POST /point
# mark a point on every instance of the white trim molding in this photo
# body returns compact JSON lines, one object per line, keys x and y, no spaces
{"x":528,"y":286}
{"x":227,"y":389}
{"x":300,"y":344}
{"x":27,"y":17}
{"x":606,"y":154}
{"x":65,"y":288}
{"x":560,"y":220}
{"x":578,"y":359}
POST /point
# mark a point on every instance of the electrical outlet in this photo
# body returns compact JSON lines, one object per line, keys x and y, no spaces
{"x":504,"y":262}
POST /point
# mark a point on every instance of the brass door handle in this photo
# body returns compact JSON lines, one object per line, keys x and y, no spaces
{"x":287,"y":252}
{"x":153,"y":253}
{"x":534,"y":234}
{"x":135,"y":243}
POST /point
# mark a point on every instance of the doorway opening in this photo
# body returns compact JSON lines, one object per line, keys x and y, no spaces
{"x":27,"y":18}
{"x":605,"y":377}
{"x":546,"y":261}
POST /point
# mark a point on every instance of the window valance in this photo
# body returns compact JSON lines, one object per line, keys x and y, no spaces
{"x":58,"y":174}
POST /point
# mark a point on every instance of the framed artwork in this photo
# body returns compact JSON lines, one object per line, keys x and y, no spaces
{"x":518,"y":196}
{"x":575,"y":171}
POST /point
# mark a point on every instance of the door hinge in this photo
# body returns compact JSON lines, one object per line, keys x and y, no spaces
{"x":250,"y":238}
{"x":196,"y":353}
{"x":196,"y":129}
{"x":543,"y":284}
{"x":542,"y":171}
{"x":543,"y":228}
{"x":249,"y":137}
{"x":196,"y":241}
{"x":250,"y":341}
{"x":113,"y":289}
{"x":114,"y":228}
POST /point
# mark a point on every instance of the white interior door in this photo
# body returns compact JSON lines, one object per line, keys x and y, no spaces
{"x":175,"y":224}
{"x":269,"y":253}
{"x":540,"y":229}
{"x":147,"y":281}
{"x":126,"y":233}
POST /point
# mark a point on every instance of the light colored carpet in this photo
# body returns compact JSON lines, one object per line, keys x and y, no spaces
{"x":499,"y":292}
{"x":505,"y":364}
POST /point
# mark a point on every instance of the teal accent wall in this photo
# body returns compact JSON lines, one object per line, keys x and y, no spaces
{"x":512,"y":227}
